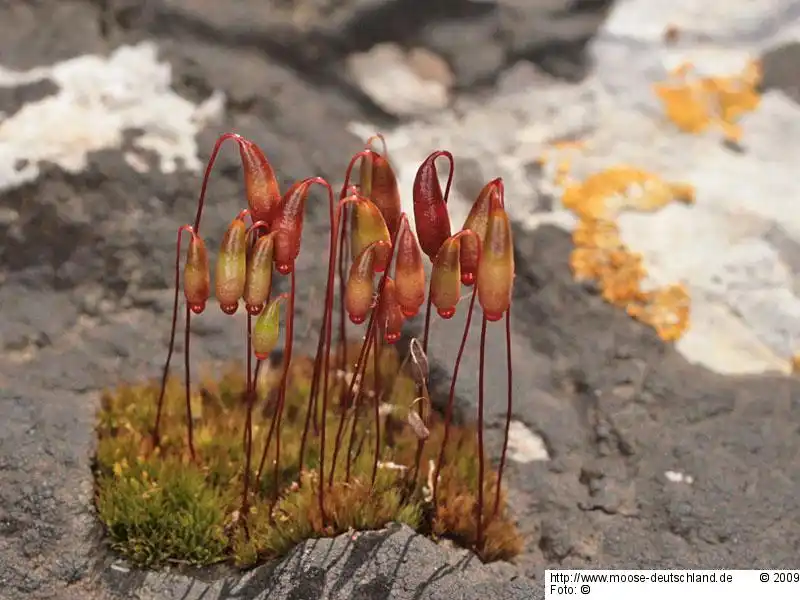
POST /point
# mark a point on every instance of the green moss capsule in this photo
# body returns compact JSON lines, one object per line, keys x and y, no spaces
{"x":232,"y":267}
{"x":258,"y":282}
{"x":267,"y":330}
{"x":446,"y":278}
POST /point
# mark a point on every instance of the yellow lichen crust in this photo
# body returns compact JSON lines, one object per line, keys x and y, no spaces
{"x":601,"y":257}
{"x":158,"y":506}
{"x":694,"y":104}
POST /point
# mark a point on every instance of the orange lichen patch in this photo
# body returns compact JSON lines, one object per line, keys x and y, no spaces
{"x":604,"y":194}
{"x":666,"y":310}
{"x":696,"y":104}
{"x":601,"y":256}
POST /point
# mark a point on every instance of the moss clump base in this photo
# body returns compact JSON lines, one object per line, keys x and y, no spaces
{"x":160,"y":507}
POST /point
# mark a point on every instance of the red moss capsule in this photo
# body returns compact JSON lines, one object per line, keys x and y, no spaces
{"x":368,"y":226}
{"x":267,"y":330}
{"x":409,"y":271}
{"x":496,"y":274}
{"x":391,"y":317}
{"x":260,"y":183}
{"x":430,"y":206}
{"x":289,"y":222}
{"x":232,"y":267}
{"x":379,"y":184}
{"x":359,"y":289}
{"x":446,"y":278}
{"x":477,"y":221}
{"x":196,"y":275}
{"x":258,"y":283}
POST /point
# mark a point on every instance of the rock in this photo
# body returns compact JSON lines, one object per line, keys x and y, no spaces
{"x":88,"y":250}
{"x":401,"y":84}
{"x":374,"y":564}
{"x":779,"y":73}
{"x":482,"y":39}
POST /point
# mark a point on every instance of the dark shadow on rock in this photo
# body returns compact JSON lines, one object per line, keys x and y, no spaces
{"x":779,"y":67}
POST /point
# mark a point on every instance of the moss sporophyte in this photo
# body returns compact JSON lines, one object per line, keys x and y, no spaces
{"x":245,"y":464}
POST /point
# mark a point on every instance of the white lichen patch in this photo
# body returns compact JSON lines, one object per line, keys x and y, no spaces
{"x":744,"y":289}
{"x":524,"y":446}
{"x":98,"y":100}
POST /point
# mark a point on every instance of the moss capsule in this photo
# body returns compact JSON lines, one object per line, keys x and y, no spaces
{"x":289,"y":222}
{"x":360,"y":289}
{"x":496,"y":273}
{"x":258,"y":282}
{"x":477,"y":221}
{"x":409,"y":272}
{"x":231,"y":273}
{"x":430,"y":207}
{"x":261,"y":185}
{"x":196,"y":275}
{"x":446,"y":278}
{"x":379,"y":183}
{"x":368,"y":226}
{"x":267,"y":330}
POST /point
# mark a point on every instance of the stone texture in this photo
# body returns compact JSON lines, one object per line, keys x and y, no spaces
{"x":651,"y":461}
{"x":392,"y":564}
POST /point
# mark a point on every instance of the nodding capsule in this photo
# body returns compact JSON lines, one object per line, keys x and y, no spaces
{"x":446,"y":278}
{"x":196,"y":274}
{"x":493,"y":316}
{"x":467,"y":277}
{"x":284,"y":268}
{"x":232,"y":267}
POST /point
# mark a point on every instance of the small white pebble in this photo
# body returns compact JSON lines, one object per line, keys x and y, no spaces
{"x":678,"y":477}
{"x":525,"y":446}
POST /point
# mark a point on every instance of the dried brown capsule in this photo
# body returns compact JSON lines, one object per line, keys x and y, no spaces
{"x":418,"y":426}
{"x":416,"y":421}
{"x":419,"y":362}
{"x":231,"y":273}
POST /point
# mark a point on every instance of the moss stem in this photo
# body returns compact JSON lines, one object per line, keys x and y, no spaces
{"x":481,"y":462}
{"x":448,"y":415}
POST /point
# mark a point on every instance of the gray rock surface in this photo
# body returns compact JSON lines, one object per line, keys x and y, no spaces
{"x":393,"y":563}
{"x":650,"y":461}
